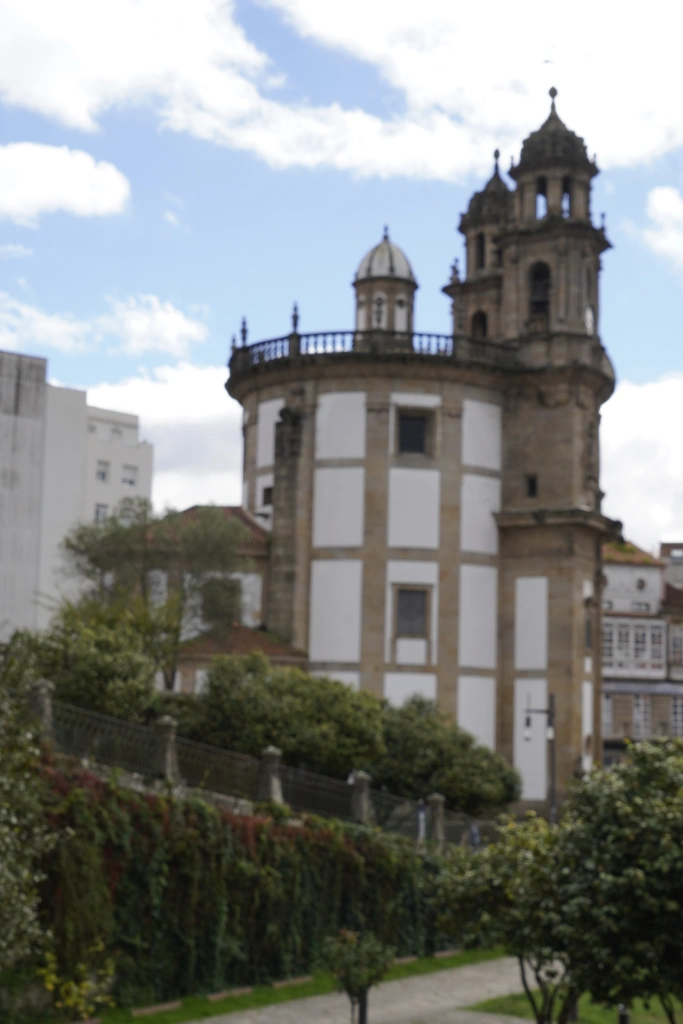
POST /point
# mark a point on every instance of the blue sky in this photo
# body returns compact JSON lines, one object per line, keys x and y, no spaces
{"x":167,"y":167}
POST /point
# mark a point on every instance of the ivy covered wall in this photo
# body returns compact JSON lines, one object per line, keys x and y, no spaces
{"x":191,"y":899}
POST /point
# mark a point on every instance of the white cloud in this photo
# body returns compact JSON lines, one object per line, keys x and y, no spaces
{"x":642,"y":459}
{"x":172,"y":218}
{"x":133,"y":326}
{"x":14,"y":251}
{"x":470,"y":76}
{"x":37,"y":179}
{"x":665,"y":235}
{"x":195,"y":428}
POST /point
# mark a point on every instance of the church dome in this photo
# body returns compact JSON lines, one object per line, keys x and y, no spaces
{"x":553,"y":144}
{"x":491,"y":205}
{"x":385,"y":260}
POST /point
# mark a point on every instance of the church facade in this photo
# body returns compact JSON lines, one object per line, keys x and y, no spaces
{"x":434,"y":500}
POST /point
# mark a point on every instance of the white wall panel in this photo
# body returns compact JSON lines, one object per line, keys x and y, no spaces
{"x":268,"y":415}
{"x":476,"y":708}
{"x":336,"y":606}
{"x":531,"y":755}
{"x":425,"y":573}
{"x":531,"y":622}
{"x":479,"y":501}
{"x":481,"y":434}
{"x":338,"y":507}
{"x":587,"y":725}
{"x":401,"y":686}
{"x":340,"y":425}
{"x":350,"y":679}
{"x":411,"y":650}
{"x":251,"y":585}
{"x":414,"y":508}
{"x":478,"y":616}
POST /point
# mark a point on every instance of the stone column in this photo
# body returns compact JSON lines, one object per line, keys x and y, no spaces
{"x":270,"y":786}
{"x":361,"y":804}
{"x":168,"y":755}
{"x":436,"y":823}
{"x":41,"y":701}
{"x":283,"y":550}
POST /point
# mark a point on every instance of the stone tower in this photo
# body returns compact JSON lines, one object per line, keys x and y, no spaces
{"x":434,"y":501}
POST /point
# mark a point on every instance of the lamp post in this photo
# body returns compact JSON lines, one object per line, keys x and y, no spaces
{"x":549,"y":712}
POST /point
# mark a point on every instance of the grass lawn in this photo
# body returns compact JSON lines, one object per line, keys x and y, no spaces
{"x":589,"y":1013}
{"x":198,"y":1007}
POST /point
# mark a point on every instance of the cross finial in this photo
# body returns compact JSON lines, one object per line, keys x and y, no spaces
{"x":234,"y":343}
{"x":552,"y":92}
{"x":386,"y":234}
{"x":244,"y":331}
{"x":295,"y":317}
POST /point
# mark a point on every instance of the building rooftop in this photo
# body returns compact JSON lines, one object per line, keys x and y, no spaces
{"x":241,"y":640}
{"x":626,"y":553}
{"x":385,"y":260}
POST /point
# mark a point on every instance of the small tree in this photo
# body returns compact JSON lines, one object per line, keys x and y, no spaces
{"x":23,"y":836}
{"x":358,"y":962}
{"x":173,"y":573}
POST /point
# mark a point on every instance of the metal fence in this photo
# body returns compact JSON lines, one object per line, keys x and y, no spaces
{"x":87,"y":734}
{"x":315,"y":794}
{"x":217,"y":770}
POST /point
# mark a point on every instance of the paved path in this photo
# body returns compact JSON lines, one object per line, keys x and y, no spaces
{"x":425,"y":999}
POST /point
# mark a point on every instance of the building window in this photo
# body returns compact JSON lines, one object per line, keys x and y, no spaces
{"x":411,"y":612}
{"x":588,"y":629}
{"x":607,"y":645}
{"x":677,"y":716}
{"x":532,"y":486}
{"x":607,"y":606}
{"x":642,"y":716}
{"x":677,"y":555}
{"x":639,"y":647}
{"x":541,"y":199}
{"x":129,"y":475}
{"x":607,"y":715}
{"x":116,"y":433}
{"x":566,"y":197}
{"x":92,"y":429}
{"x":656,"y":646}
{"x":267,"y":495}
{"x":676,"y":645}
{"x":412,"y":432}
{"x":481,"y":251}
{"x":479,"y":325}
{"x":102,"y":471}
{"x":640,"y":606}
{"x":101,"y":512}
{"x":539,"y":290}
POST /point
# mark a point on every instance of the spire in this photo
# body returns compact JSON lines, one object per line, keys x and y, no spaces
{"x":552,"y":92}
{"x":385,"y":236}
{"x":496,"y":156}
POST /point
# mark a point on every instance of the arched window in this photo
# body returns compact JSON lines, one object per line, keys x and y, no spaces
{"x":541,"y":199}
{"x":361,"y":318}
{"x":566,"y":197}
{"x":481,"y":251}
{"x":539,"y":290}
{"x":401,"y":314}
{"x":479,"y":324}
{"x":379,"y":311}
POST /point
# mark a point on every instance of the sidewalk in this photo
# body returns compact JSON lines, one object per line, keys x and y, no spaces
{"x":425,"y":999}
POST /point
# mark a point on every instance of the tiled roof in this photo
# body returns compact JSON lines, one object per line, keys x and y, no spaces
{"x":665,"y":550}
{"x":627,"y":553}
{"x":255,"y":529}
{"x":673,"y":597}
{"x":241,"y":640}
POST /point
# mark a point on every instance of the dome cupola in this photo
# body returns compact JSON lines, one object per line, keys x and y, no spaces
{"x":492,"y":205}
{"x":385,"y":289}
{"x":553,"y":145}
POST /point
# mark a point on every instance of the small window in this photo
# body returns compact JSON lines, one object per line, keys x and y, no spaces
{"x":677,"y":555}
{"x":541,"y":199}
{"x":607,"y":715}
{"x":101,"y":513}
{"x":589,"y":630}
{"x":412,"y":433}
{"x":411,"y":613}
{"x":642,"y":716}
{"x":532,"y":486}
{"x":102,"y":471}
{"x":641,"y":583}
{"x":267,"y":496}
{"x":677,"y":716}
{"x":129,"y":475}
{"x":116,"y":433}
{"x":539,"y":290}
{"x":607,"y":606}
{"x":566,"y":197}
{"x":640,"y":606}
{"x":481,"y":251}
{"x":479,"y":325}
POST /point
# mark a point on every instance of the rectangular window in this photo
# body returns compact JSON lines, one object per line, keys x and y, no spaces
{"x":102,"y":471}
{"x":656,"y":646}
{"x":267,"y":496}
{"x":607,"y":644}
{"x":411,"y":613}
{"x":116,"y":433}
{"x":642,"y":716}
{"x":640,"y":647}
{"x":412,"y":433}
{"x":677,"y":716}
{"x":101,"y":512}
{"x":623,"y":647}
{"x":607,"y":715}
{"x":532,"y":486}
{"x":676,"y":645}
{"x":640,"y":606}
{"x":129,"y":475}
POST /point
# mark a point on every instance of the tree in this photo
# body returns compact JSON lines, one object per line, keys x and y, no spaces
{"x":93,"y":663}
{"x":511,"y":893}
{"x":428,"y":753}
{"x":23,"y":837}
{"x":319,"y":724}
{"x":358,"y":962}
{"x":174,"y":573}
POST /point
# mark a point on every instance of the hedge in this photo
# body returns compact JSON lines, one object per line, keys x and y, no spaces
{"x":191,"y":899}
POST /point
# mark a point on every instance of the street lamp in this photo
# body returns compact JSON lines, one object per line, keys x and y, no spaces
{"x":549,"y":712}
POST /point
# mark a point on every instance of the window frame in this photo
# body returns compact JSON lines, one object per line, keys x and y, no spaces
{"x":101,"y":512}
{"x":401,"y":588}
{"x":103,"y":471}
{"x":134,"y":481}
{"x":416,"y":412}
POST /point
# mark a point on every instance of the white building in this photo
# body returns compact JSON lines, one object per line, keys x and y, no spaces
{"x":61,"y":462}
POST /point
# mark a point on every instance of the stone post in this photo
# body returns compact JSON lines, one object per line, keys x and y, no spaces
{"x":294,"y":344}
{"x":41,"y":701}
{"x":168,"y":755}
{"x":270,"y":786}
{"x":436,"y":823}
{"x":361,"y":805}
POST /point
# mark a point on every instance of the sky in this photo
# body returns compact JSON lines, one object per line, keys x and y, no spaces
{"x":170,"y":166}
